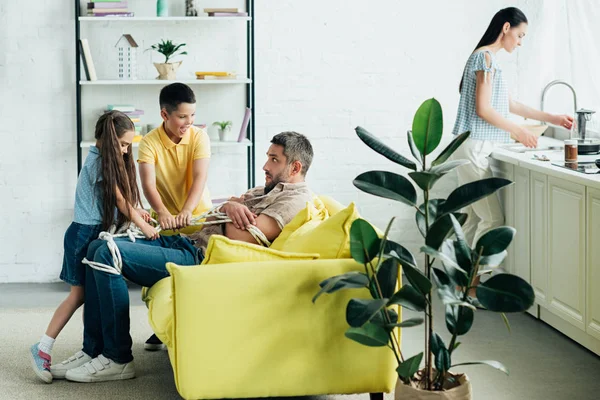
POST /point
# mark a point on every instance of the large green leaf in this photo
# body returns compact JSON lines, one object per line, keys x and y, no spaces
{"x":441,"y":229}
{"x":349,"y":280}
{"x":441,"y":353}
{"x":408,"y":368}
{"x":380,"y":320}
{"x":409,"y":323}
{"x":495,"y":241}
{"x":492,"y":261}
{"x":417,"y":279}
{"x":471,"y":192}
{"x":459,"y":319}
{"x":425,"y":179}
{"x":447,"y":261}
{"x":400,"y":253}
{"x":505,"y":293}
{"x":387,"y":185}
{"x":446,"y":167}
{"x":433,"y":206}
{"x":364,"y":242}
{"x":369,"y":335}
{"x":451,"y":148}
{"x":462,"y":251}
{"x":491,"y":363}
{"x":408,"y":297}
{"x":428,"y":126}
{"x":440,"y":277}
{"x":387,"y":276}
{"x":413,"y":147}
{"x":375,"y":144}
{"x":360,"y":311}
{"x":456,"y":276}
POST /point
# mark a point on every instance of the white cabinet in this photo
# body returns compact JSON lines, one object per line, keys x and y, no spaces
{"x":521,"y":246}
{"x":507,"y":200}
{"x":566,"y":251}
{"x":593,"y":263}
{"x":539,"y":236}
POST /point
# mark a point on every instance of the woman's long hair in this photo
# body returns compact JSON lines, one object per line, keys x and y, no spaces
{"x":512,"y":15}
{"x":118,"y":170}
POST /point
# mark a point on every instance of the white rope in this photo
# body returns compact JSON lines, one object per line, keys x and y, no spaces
{"x":133,"y":232}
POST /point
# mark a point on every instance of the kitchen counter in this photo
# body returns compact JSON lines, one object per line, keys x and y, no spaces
{"x":556,"y":214}
{"x":526,"y":160}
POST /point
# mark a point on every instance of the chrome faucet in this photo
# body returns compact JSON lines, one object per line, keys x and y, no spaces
{"x":560,"y":82}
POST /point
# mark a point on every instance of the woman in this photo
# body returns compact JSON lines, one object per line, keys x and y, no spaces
{"x":483,"y":110}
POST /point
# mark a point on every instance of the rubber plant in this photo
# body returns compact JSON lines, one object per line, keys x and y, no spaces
{"x":373,"y":321}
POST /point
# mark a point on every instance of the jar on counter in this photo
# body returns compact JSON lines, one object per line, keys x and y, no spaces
{"x":570,"y":151}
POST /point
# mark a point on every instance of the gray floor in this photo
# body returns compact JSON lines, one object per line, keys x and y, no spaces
{"x":543,"y":363}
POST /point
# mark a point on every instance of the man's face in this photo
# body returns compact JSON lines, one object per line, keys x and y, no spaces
{"x":276,"y":168}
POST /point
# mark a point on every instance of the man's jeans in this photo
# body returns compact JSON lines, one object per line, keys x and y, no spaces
{"x":106,"y":313}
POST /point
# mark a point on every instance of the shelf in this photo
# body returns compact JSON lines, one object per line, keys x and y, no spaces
{"x":155,"y":19}
{"x":213,"y":143}
{"x":113,"y":82}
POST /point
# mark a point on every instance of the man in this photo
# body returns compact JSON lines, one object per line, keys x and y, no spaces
{"x":106,"y":353}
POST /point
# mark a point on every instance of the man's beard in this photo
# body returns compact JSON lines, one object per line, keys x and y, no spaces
{"x":275,"y":180}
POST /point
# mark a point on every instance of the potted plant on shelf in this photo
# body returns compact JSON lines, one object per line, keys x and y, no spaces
{"x":373,"y":321}
{"x":224,"y":127}
{"x":169,"y":49}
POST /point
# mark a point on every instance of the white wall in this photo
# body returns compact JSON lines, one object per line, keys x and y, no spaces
{"x":322,"y":68}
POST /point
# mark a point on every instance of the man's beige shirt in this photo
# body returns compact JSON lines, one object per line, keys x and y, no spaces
{"x":282,"y":204}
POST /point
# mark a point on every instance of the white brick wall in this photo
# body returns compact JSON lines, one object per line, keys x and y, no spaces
{"x":322,"y":67}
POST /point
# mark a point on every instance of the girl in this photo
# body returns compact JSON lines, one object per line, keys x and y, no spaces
{"x":483,"y":110}
{"x":106,"y":192}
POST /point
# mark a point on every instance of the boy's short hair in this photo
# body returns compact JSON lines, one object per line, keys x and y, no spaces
{"x":296,"y":147}
{"x":171,"y":96}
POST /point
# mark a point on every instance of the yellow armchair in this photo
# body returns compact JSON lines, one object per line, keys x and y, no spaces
{"x":244,"y":330}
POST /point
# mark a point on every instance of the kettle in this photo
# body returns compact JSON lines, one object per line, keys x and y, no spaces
{"x":585,"y":146}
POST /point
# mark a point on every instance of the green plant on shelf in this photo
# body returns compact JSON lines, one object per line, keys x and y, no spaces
{"x":168,"y":49}
{"x":223,"y":125}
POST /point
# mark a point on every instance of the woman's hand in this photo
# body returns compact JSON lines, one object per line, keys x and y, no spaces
{"x":562,"y":120}
{"x":527,"y":138}
{"x":166,"y":220}
{"x":144,"y":214}
{"x":183,"y":219}
{"x":149,"y":231}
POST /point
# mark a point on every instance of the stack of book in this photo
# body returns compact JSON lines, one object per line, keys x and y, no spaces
{"x":225,"y":12}
{"x":133,"y":113}
{"x":108,"y":8}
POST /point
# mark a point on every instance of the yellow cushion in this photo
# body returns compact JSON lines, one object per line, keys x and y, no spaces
{"x":309,"y":213}
{"x":221,"y":250}
{"x":330,"y":237}
{"x":332,"y":205}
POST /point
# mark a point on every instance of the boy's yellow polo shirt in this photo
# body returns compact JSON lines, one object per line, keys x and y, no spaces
{"x":173,"y":166}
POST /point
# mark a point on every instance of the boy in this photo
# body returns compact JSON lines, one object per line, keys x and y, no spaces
{"x":174,"y":161}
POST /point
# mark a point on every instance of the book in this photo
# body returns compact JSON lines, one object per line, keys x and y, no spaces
{"x":222,"y":10}
{"x":125,"y":108}
{"x":109,"y":10}
{"x":245,"y":122}
{"x":85,"y":66}
{"x":227,"y":14}
{"x":113,"y":14}
{"x":88,"y":63}
{"x":108,"y":4}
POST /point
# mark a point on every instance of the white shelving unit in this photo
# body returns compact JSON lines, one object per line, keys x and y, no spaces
{"x":109,"y":82}
{"x":217,"y":99}
{"x":161,"y":19}
{"x":214,"y":143}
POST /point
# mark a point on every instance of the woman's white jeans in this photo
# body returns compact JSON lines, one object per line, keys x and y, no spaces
{"x":486,"y":213}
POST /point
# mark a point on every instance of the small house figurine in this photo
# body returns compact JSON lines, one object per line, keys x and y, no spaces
{"x":127,"y":48}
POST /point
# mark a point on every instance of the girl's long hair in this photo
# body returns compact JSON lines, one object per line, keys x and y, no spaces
{"x":118,"y":170}
{"x":512,"y":15}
